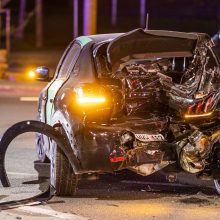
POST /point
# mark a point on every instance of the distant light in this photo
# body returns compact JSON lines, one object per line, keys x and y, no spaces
{"x":29,"y":99}
{"x":31,"y":74}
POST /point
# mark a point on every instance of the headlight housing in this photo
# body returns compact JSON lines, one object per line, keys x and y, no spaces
{"x":88,"y":95}
{"x":93,"y":101}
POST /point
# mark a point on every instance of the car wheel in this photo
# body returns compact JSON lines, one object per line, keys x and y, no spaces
{"x":62,"y":176}
{"x":217,"y":185}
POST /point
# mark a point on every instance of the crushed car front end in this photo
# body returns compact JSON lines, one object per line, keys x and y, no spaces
{"x":153,"y":101}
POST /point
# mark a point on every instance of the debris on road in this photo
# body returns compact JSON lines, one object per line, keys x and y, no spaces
{"x":8,"y":137}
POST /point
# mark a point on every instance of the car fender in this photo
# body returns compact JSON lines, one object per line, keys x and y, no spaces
{"x":59,"y":119}
{"x":34,"y":126}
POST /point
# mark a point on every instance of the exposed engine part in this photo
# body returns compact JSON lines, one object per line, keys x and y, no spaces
{"x":144,"y":157}
{"x":127,"y":137}
{"x":147,"y":169}
{"x":141,"y":83}
{"x":148,"y":154}
{"x":134,"y":153}
{"x":172,"y":177}
{"x":193,"y":152}
{"x":178,"y":83}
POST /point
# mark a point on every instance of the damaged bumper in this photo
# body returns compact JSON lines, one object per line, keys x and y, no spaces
{"x":130,"y":144}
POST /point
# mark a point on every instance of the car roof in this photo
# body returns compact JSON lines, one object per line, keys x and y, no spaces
{"x":177,"y":34}
{"x":104,"y":37}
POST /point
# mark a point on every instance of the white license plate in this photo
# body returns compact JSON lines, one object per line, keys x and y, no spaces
{"x":150,"y":137}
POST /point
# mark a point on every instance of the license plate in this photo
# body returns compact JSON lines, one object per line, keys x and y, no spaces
{"x":150,"y":137}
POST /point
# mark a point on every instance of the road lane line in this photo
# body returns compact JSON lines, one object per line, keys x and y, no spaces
{"x":22,"y":174}
{"x":50,"y":212}
{"x":28,"y":99}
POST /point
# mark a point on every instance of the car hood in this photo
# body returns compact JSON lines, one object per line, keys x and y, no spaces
{"x":143,"y":44}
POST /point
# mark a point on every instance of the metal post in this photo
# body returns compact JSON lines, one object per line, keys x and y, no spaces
{"x":8,"y":31}
{"x":75,"y":18}
{"x":114,"y":12}
{"x":39,"y":23}
{"x":90,"y":17}
{"x":0,"y":23}
{"x":5,"y":50}
{"x":142,"y":12}
{"x":20,"y":32}
{"x":147,"y":22}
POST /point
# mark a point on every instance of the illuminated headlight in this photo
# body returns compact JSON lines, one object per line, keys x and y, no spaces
{"x":31,"y":74}
{"x":90,"y":94}
{"x":83,"y":100}
{"x":94,"y":101}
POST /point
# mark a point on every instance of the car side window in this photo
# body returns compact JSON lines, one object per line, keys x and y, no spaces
{"x":69,"y":61}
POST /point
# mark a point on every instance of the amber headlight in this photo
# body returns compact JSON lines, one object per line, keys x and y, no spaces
{"x":93,"y":101}
{"x":89,"y":96}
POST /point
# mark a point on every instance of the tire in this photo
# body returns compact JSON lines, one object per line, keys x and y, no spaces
{"x":62,"y":176}
{"x":217,"y":185}
{"x":39,"y":148}
{"x":41,"y":154}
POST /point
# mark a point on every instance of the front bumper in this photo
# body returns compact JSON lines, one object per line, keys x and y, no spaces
{"x":100,"y":148}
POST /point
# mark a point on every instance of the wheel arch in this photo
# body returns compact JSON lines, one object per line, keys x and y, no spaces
{"x":59,"y":120}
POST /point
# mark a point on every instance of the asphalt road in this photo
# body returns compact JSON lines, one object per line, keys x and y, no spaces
{"x":121,"y":196}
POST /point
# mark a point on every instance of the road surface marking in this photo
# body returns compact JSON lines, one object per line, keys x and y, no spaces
{"x":29,"y":99}
{"x":21,"y":174}
{"x":50,"y":212}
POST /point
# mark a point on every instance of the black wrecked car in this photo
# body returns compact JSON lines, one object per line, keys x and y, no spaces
{"x":145,"y":101}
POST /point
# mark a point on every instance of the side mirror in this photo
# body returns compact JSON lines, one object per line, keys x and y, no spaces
{"x":42,"y":73}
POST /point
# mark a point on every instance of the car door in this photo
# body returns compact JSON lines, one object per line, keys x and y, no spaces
{"x":46,"y":105}
{"x":62,"y":74}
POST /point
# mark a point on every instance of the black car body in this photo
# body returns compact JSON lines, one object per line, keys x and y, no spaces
{"x":144,"y":101}
{"x":216,"y":40}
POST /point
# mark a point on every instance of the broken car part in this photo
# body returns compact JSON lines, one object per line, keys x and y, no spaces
{"x":31,"y":126}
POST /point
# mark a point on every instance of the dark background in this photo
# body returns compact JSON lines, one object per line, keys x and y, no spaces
{"x":181,"y":15}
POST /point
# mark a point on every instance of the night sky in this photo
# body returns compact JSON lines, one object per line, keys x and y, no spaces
{"x":184,"y":15}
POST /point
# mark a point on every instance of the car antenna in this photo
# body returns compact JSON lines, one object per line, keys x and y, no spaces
{"x":147,"y":22}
